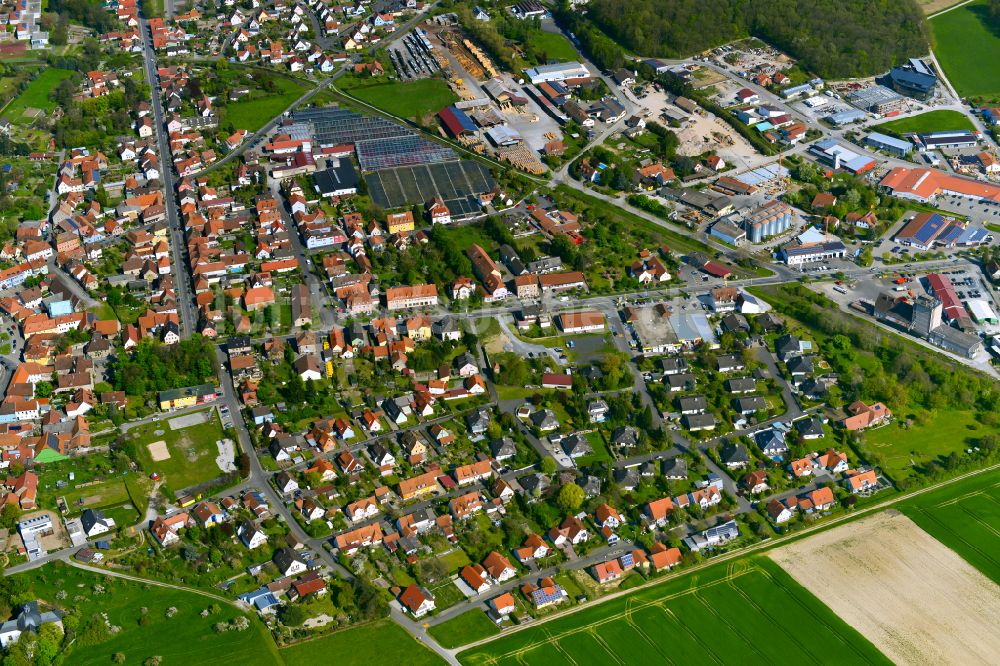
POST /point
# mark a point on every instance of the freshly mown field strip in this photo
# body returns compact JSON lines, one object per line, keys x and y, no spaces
{"x":382,"y":642}
{"x":731,"y":613}
{"x":910,"y":595}
{"x":932,"y":121}
{"x":966,"y":46}
{"x":965,"y":520}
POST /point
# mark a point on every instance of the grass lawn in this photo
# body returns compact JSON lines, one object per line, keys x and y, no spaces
{"x":446,"y":594}
{"x":600,"y":453}
{"x":353,"y":647}
{"x":964,"y":44}
{"x":555,"y":46}
{"x":731,"y":609}
{"x":516,"y":392}
{"x":251,"y":114}
{"x":932,"y":121}
{"x":103,"y":311}
{"x":464,"y":629}
{"x":186,"y":638}
{"x":414,"y":99}
{"x":455,"y":560}
{"x":192,"y":450}
{"x":946,"y":431}
{"x":110,"y":493}
{"x":965,"y":517}
{"x":36,"y":95}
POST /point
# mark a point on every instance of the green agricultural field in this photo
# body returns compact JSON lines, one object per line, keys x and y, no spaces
{"x":192,"y":450}
{"x":966,"y":45}
{"x":932,"y":121}
{"x":253,"y":113}
{"x":964,"y":516}
{"x":471,"y":626}
{"x":355,"y":647}
{"x":36,"y":95}
{"x":414,"y":99}
{"x":727,"y":614}
{"x":185,"y":638}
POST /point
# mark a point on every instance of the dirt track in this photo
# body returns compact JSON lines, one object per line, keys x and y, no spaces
{"x":911,"y":596}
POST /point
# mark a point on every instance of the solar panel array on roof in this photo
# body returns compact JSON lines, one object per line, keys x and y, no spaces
{"x":951,"y":234}
{"x":923,"y":229}
{"x":972,"y":236}
{"x":456,"y":121}
{"x":547,"y":595}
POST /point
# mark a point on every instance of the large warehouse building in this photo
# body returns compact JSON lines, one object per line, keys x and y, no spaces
{"x":926,"y":184}
{"x":557,"y":72}
{"x":889,"y":144}
{"x":838,"y":156}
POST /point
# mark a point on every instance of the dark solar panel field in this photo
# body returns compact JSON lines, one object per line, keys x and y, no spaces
{"x":380,"y":143}
{"x":455,"y":182}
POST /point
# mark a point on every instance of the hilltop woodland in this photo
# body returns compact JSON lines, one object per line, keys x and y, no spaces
{"x":870,"y":36}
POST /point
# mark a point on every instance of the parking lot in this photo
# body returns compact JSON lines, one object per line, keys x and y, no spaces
{"x":412,"y":58}
{"x":974,"y":210}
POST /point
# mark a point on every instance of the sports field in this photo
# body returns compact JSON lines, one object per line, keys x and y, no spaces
{"x":932,"y":121}
{"x":966,"y":46}
{"x":747,"y":611}
{"x":36,"y":95}
{"x":966,"y":518}
{"x":190,"y":451}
